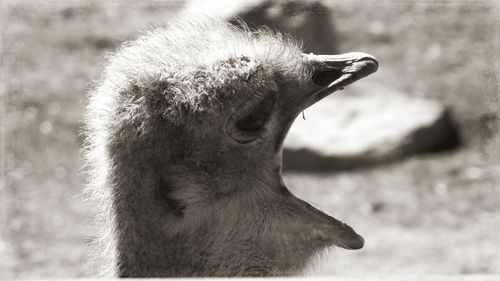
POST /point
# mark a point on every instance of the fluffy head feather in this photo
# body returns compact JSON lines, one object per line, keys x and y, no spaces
{"x":183,"y":142}
{"x":176,"y":75}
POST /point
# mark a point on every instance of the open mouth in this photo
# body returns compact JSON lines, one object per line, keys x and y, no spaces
{"x":332,"y":73}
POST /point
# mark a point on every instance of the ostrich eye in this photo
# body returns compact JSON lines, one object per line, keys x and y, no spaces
{"x":258,"y":115}
{"x":247,"y":125}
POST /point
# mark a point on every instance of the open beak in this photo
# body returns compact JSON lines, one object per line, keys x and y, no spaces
{"x":333,"y":72}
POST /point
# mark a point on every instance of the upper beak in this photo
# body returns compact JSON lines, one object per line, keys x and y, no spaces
{"x":333,"y":72}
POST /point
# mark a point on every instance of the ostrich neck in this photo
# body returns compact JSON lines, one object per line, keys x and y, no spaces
{"x":223,"y":239}
{"x":148,"y":241}
{"x":140,"y":249}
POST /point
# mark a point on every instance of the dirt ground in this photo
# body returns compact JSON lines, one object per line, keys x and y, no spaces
{"x":430,"y":214}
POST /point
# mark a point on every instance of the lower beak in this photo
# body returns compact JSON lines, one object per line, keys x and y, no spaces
{"x":333,"y":72}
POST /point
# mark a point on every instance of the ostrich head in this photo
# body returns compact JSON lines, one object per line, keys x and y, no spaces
{"x":185,"y":136}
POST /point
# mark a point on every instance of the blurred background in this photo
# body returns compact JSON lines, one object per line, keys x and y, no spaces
{"x":413,"y":164}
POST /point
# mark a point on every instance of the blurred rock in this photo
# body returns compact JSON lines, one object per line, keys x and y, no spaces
{"x":221,"y":8}
{"x":307,"y":20}
{"x":361,"y":127}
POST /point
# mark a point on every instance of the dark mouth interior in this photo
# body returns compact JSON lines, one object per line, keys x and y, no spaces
{"x":324,"y":78}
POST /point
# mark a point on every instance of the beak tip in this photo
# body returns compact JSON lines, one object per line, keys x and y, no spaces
{"x":349,"y":239}
{"x":354,"y":243}
{"x":371,"y":62}
{"x":358,"y":244}
{"x":372,"y":65}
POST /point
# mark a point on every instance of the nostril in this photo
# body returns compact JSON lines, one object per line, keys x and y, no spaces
{"x":325,"y":77}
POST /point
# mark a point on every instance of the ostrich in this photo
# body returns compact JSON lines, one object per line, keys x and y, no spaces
{"x":184,"y":138}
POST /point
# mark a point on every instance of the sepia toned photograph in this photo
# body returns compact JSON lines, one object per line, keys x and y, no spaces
{"x":331,"y":139}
